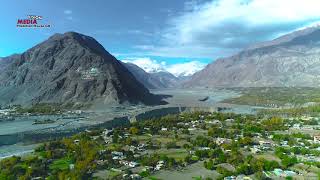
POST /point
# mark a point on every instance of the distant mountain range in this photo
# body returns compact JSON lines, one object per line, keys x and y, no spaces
{"x":291,"y":60}
{"x":155,"y":80}
{"x":69,"y":67}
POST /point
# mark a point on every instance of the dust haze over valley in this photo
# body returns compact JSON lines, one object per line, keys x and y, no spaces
{"x":206,"y":88}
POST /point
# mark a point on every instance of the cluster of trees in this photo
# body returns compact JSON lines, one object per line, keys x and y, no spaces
{"x":152,"y":160}
{"x":292,"y":138}
{"x":41,"y":108}
{"x":277,"y":96}
{"x":171,"y":121}
{"x":172,"y":145}
{"x":244,"y":165}
{"x":49,"y":108}
{"x":252,"y":165}
{"x":17,"y":168}
{"x":286,"y":159}
{"x":293,"y":112}
{"x":218,"y":132}
{"x":274,"y":124}
{"x":53,"y":159}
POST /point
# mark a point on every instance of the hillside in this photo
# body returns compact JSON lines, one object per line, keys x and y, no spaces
{"x":292,"y":60}
{"x":69,"y":67}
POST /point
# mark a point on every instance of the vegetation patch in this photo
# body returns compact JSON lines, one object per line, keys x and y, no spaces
{"x":61,"y":164}
{"x":275,"y":97}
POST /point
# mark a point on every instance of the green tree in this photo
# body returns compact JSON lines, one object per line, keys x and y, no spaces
{"x":134,"y":130}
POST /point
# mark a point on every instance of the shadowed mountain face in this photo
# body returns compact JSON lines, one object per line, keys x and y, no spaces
{"x":69,"y":67}
{"x":4,"y":62}
{"x":158,"y":80}
{"x":291,"y":60}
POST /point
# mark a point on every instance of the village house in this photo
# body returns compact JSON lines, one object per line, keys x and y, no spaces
{"x":36,"y":178}
{"x":102,"y":151}
{"x":159,"y":165}
{"x":192,"y":129}
{"x":133,"y":164}
{"x":307,"y":127}
{"x":265,"y":145}
{"x":71,"y":166}
{"x":76,"y":141}
{"x":101,"y":162}
{"x":220,"y":141}
{"x":255,"y":149}
{"x":180,"y":124}
{"x":117,"y":155}
{"x":243,"y":177}
{"x":296,"y":126}
{"x":306,"y":118}
{"x":132,"y":148}
{"x":107,"y":132}
{"x":283,"y":173}
{"x":89,"y":74}
{"x":215,"y":122}
{"x":5,"y":112}
{"x":203,"y":148}
{"x":141,"y":147}
{"x":284,"y":143}
{"x":308,"y":157}
{"x":230,"y":178}
{"x":316,"y":139}
{"x":135,"y":176}
{"x":229,"y":122}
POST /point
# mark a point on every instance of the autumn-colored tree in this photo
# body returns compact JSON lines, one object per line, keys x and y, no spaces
{"x":134,"y":130}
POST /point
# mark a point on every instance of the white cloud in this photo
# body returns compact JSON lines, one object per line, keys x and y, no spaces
{"x":68,"y":14}
{"x":205,"y":18}
{"x":67,"y":11}
{"x":179,"y":69}
{"x":146,"y":64}
{"x":144,"y":47}
{"x":220,"y":26}
{"x":70,"y":18}
{"x":185,"y":69}
{"x":138,"y":32}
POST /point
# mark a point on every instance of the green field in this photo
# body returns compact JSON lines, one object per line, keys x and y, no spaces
{"x":312,"y":110}
{"x":274,"y":97}
{"x":61,"y":164}
{"x":177,"y":154}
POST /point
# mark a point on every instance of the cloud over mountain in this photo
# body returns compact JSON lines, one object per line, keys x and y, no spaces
{"x":178,"y":69}
{"x":220,"y":27}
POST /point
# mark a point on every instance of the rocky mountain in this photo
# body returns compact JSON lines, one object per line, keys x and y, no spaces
{"x":4,"y":62}
{"x":69,"y":67}
{"x":291,"y":60}
{"x":156,"y":80}
{"x":168,"y":79}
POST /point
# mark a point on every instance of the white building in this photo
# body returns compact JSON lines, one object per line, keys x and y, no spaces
{"x":316,"y":139}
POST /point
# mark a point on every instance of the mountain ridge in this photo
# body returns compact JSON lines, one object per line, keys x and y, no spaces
{"x":156,"y":80}
{"x":293,"y":61}
{"x":69,"y":67}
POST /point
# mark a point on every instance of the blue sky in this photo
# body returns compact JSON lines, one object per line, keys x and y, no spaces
{"x":180,"y":35}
